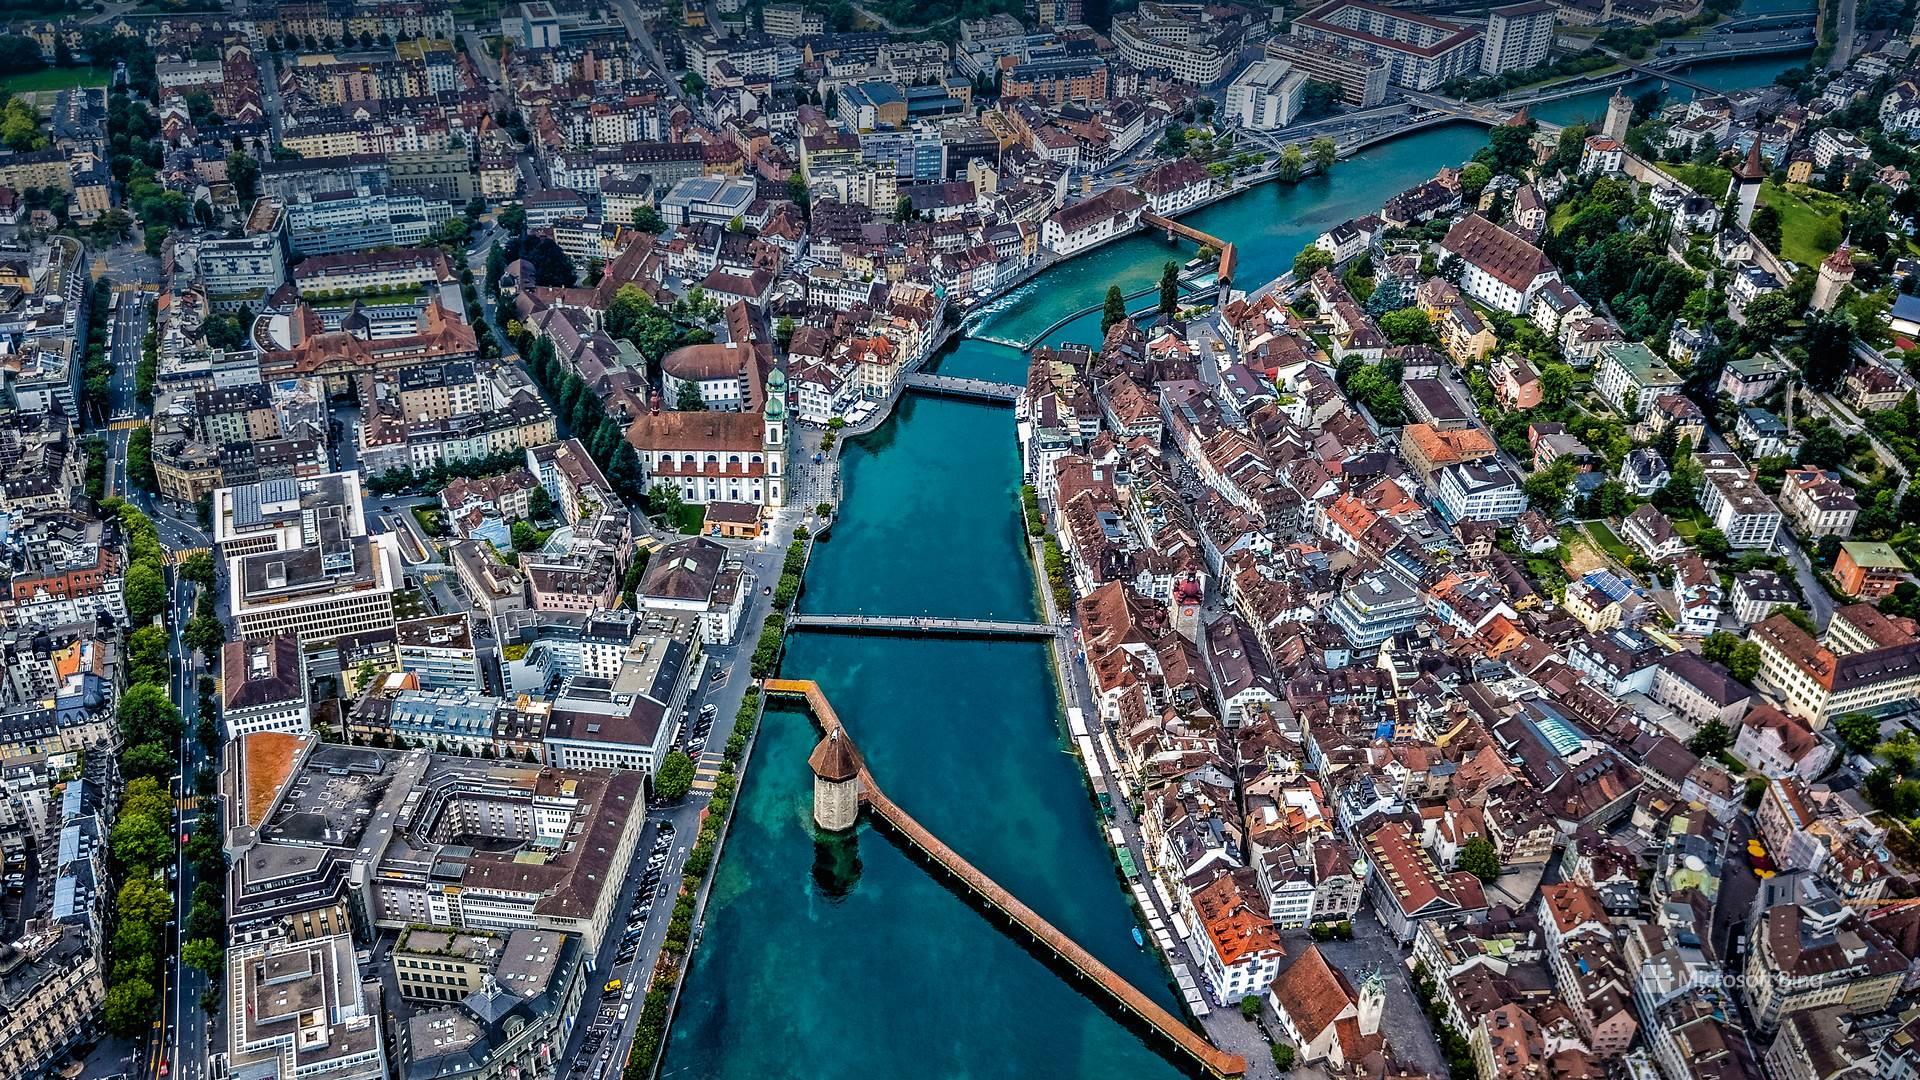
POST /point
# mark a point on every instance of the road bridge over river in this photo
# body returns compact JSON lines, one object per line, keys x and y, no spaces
{"x":1099,"y":979}
{"x":954,"y":386}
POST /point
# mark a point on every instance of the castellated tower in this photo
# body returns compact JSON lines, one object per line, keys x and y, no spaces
{"x":836,"y":782}
{"x":1836,"y":273}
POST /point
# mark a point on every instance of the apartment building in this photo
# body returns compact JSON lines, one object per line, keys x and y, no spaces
{"x":350,"y":272}
{"x":1519,"y":36}
{"x":1181,"y":39}
{"x":1817,"y":503}
{"x":1478,"y":491}
{"x":1362,"y":79}
{"x":1814,"y":954}
{"x":1057,"y":80}
{"x":1740,"y":509}
{"x":439,"y":651}
{"x":243,"y":267}
{"x":1422,"y":52}
{"x":1375,"y":608}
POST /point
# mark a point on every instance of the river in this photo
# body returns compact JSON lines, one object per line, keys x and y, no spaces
{"x":845,"y":959}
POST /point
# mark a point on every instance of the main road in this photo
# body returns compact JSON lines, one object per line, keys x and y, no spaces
{"x":190,"y":1048}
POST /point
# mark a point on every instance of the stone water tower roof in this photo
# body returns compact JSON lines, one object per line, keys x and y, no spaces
{"x":836,"y":760}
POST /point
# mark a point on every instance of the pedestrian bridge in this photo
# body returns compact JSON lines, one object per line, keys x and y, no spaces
{"x":1109,"y":985}
{"x":953,"y":386}
{"x":924,"y":625}
{"x":1229,"y":255}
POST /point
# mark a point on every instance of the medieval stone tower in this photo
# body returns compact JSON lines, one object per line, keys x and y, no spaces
{"x":836,"y":782}
{"x":1836,"y":273}
{"x":1747,"y":178}
{"x":1619,"y":117}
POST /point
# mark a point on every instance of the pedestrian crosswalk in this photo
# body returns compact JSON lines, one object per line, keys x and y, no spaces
{"x":127,"y":425}
{"x":181,"y":555}
{"x":706,"y":772}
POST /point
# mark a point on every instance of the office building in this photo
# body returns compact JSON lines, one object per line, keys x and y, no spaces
{"x":263,"y":687}
{"x":1266,"y":96}
{"x":406,"y":838}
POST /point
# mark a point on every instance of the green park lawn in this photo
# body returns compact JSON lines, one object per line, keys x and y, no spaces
{"x":1604,"y":536}
{"x":1708,"y":180}
{"x":1810,"y":221}
{"x":53,"y":79}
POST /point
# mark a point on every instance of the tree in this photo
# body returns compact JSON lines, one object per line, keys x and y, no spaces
{"x":1765,"y":226}
{"x":1768,"y":316}
{"x":146,"y":592}
{"x":204,"y":634}
{"x":1170,"y":288}
{"x":513,"y":218}
{"x":147,"y":655}
{"x":1556,"y":384}
{"x":1858,"y":730}
{"x":1473,"y":180}
{"x":539,"y":504}
{"x":20,"y":126}
{"x":1323,"y":152}
{"x":1829,"y":345}
{"x":1711,"y":739}
{"x":197,"y":568}
{"x":1409,"y":326}
{"x":689,"y":399}
{"x":206,"y":954}
{"x":1310,"y":260}
{"x":140,"y":840}
{"x":142,"y":899}
{"x":1547,"y":488}
{"x":1712,"y":544}
{"x":1291,"y":163}
{"x":525,"y":536}
{"x":1479,"y":858}
{"x":1250,"y":1006}
{"x":648,"y":220}
{"x":674,"y":778}
{"x":1718,"y":647}
{"x":244,"y":173}
{"x":146,"y":715}
{"x":1796,"y":616}
{"x":148,"y":759}
{"x":130,"y":1005}
{"x":1115,"y":311}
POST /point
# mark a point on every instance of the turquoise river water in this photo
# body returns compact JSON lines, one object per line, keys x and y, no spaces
{"x":845,"y":959}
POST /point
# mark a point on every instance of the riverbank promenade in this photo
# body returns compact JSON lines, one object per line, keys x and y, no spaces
{"x":1215,"y":1061}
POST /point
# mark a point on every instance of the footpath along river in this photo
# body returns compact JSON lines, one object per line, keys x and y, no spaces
{"x":845,"y":959}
